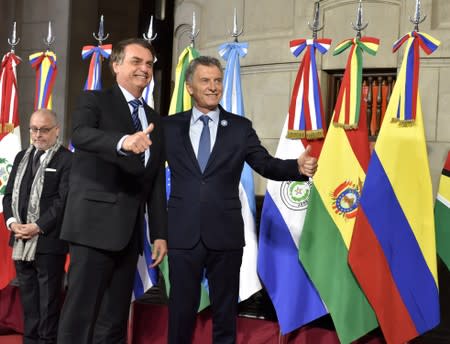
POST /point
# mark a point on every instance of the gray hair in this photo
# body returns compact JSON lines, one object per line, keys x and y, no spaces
{"x":204,"y":61}
{"x":47,"y":112}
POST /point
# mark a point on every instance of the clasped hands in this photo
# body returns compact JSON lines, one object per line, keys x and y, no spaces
{"x":139,"y":141}
{"x":307,"y":164}
{"x":24,"y":230}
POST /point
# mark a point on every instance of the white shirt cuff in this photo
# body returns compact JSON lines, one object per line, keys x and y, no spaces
{"x":119,"y":146}
{"x":9,"y":221}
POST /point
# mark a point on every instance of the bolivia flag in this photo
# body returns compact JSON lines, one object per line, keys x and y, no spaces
{"x":334,"y":202}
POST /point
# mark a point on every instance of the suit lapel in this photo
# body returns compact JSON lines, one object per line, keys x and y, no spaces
{"x":185,"y":127}
{"x":122,"y":110}
{"x":220,"y":140}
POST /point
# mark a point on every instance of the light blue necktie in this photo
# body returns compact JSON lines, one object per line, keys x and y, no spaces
{"x":135,"y":103}
{"x":204,"y":145}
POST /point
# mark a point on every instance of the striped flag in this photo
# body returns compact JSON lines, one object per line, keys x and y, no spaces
{"x":293,"y":295}
{"x":393,"y":253}
{"x":97,"y":54}
{"x":233,"y":101}
{"x":45,"y":65}
{"x":442,"y":214}
{"x":148,"y":93}
{"x":182,"y":101}
{"x":9,"y":147}
{"x":334,"y":202}
{"x":145,"y":277}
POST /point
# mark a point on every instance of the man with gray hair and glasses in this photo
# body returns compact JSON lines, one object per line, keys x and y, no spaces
{"x":33,"y":208}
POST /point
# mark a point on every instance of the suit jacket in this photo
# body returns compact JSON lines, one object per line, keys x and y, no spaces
{"x":108,"y":191}
{"x":53,"y":197}
{"x":206,"y":205}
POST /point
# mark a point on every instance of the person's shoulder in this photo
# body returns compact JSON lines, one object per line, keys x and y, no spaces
{"x":20,"y":154}
{"x":178,"y":117}
{"x":240,"y":120}
{"x":64,"y":150}
{"x":98,"y":94}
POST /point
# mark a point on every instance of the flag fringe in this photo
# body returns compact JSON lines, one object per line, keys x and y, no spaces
{"x":404,"y":122}
{"x":346,"y":126}
{"x":308,"y":134}
{"x":7,"y":128}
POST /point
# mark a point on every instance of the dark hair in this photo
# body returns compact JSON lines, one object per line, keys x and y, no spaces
{"x":118,"y":52}
{"x":204,"y":61}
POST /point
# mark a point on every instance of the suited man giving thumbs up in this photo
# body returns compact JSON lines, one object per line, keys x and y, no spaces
{"x":206,"y":150}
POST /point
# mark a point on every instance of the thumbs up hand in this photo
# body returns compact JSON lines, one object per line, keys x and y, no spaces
{"x":307,"y":164}
{"x":139,"y":141}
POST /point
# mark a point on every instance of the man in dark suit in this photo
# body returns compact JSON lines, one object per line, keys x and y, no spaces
{"x":206,"y":151}
{"x":117,"y":172}
{"x":33,"y":206}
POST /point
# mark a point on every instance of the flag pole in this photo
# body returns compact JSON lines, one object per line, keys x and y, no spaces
{"x":359,"y":26}
{"x":236,"y":32}
{"x":315,"y":26}
{"x":194,"y":32}
{"x":417,"y":19}
{"x":50,"y":39}
{"x":150,"y":37}
{"x":100,"y":36}
{"x":14,"y":40}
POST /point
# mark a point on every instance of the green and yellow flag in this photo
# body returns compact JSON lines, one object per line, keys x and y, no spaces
{"x":181,"y":100}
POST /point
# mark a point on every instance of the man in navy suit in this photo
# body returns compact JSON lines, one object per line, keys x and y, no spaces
{"x":33,"y":208}
{"x":206,"y":150}
{"x":117,"y":172}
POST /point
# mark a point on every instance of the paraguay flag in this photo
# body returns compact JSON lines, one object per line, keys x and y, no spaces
{"x":393,"y":253}
{"x":97,"y":54}
{"x":293,"y":295}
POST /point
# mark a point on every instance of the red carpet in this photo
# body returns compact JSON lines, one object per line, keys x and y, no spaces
{"x":149,"y":326}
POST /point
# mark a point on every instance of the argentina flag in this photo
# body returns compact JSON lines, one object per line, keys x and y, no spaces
{"x":232,"y":101}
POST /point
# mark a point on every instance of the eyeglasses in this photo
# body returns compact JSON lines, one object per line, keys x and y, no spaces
{"x":44,"y":130}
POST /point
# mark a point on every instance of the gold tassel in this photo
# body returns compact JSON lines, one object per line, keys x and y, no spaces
{"x":314,"y":134}
{"x":404,"y":123}
{"x":295,"y":134}
{"x":345,"y":126}
{"x":8,"y":128}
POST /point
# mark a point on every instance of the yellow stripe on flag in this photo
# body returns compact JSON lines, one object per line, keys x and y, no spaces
{"x":341,"y":160}
{"x":413,"y":190}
